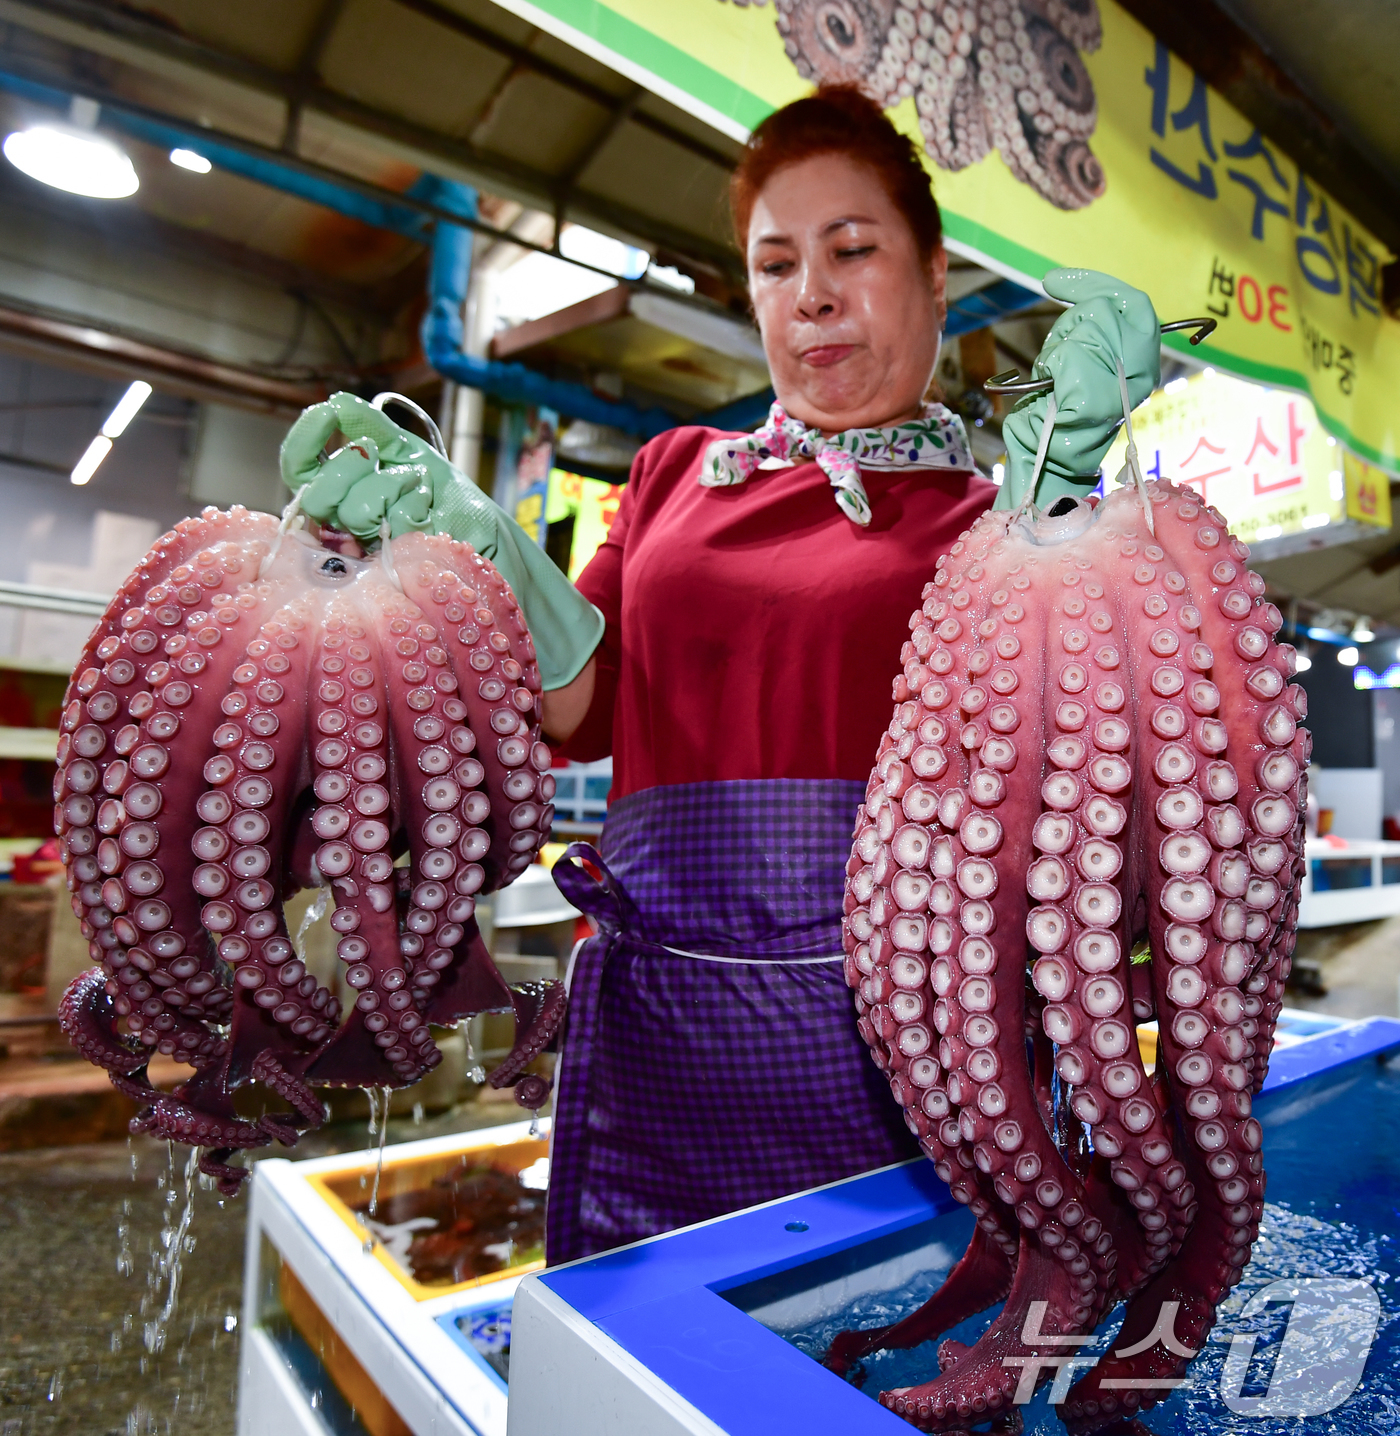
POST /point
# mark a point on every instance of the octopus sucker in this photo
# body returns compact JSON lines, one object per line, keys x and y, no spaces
{"x":254,"y":714}
{"x":1085,"y":814}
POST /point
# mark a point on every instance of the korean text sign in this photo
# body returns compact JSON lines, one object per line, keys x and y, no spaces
{"x":1090,"y":147}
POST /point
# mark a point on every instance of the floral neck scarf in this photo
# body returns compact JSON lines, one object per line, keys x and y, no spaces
{"x":935,"y":439}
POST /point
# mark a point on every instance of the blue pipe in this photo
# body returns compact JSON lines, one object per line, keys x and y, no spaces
{"x":308,"y":187}
{"x":742,"y":413}
{"x":451,"y":262}
{"x":442,"y":333}
{"x":451,"y":271}
{"x":986,"y":306}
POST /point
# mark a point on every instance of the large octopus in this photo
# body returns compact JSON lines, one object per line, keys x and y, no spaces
{"x":984,"y":74}
{"x":1087,"y":812}
{"x":255,"y":714}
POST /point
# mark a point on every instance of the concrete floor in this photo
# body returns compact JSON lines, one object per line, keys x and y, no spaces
{"x":73,"y":1359}
{"x":1360,"y":968}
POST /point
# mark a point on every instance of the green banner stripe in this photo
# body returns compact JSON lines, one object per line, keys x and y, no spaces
{"x":642,"y":47}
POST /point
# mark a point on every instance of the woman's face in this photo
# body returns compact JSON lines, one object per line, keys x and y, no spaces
{"x":850,"y":314}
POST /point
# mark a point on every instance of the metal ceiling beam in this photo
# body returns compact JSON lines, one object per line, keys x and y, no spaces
{"x":492,"y":172}
{"x":526,"y":59}
{"x":141,"y":230}
{"x":1232,"y":62}
{"x":72,"y":342}
{"x":515,"y":180}
{"x":392,"y":209}
{"x":308,"y":66}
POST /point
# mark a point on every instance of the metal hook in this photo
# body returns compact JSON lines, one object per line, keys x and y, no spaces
{"x":1204,"y":328}
{"x":1009,"y":381}
{"x":434,"y":433}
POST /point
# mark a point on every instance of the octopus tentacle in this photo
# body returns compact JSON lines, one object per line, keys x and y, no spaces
{"x":539,"y":1010}
{"x":908,"y":876}
{"x":86,"y":1017}
{"x":1004,"y":74}
{"x":981,"y":1277}
{"x":143,"y":920}
{"x":271,"y":1073}
{"x":254,"y":783}
{"x":245,"y":721}
{"x":353,"y":777}
{"x":1094,"y":767}
{"x":1250,"y":768}
{"x":227,"y":1177}
{"x":500,"y":686}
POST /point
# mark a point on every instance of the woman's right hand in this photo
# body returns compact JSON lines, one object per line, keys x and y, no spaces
{"x":386,"y":473}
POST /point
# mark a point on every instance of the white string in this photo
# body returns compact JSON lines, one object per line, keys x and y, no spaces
{"x":289,"y":515}
{"x":1131,"y":456}
{"x":385,"y":557}
{"x":1042,"y":449}
{"x":754,"y":961}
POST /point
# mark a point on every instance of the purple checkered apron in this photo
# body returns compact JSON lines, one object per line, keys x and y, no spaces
{"x":711,"y":1059}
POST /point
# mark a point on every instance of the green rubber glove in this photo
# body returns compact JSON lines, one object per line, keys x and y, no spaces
{"x":386,"y":472}
{"x":1108,"y":321}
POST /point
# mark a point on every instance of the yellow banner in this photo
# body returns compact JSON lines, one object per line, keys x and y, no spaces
{"x":1085,"y":145}
{"x":1260,"y":456}
{"x":593,"y":505}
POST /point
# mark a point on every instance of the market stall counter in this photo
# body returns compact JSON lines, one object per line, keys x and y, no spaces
{"x":399,"y":1322}
{"x":714,"y":1328}
{"x":1348,"y":880}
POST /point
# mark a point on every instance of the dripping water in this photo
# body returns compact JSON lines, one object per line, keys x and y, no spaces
{"x":372,"y":1096}
{"x":475,"y":1071}
{"x":384,"y":1095}
{"x":315,"y":911}
{"x":126,"y":1264}
{"x":167,"y":1260}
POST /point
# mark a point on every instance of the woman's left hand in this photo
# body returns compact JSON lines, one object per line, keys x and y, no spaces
{"x":1109,"y":322}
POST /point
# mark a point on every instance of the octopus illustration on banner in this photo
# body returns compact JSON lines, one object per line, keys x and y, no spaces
{"x":257,"y":713}
{"x":984,"y":75}
{"x":1086,"y":814}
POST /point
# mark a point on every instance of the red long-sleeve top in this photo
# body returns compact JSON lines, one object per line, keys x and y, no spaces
{"x":754,"y":631}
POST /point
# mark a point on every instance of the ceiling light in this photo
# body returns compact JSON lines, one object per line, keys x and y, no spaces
{"x":998,"y":474}
{"x":190,"y":160}
{"x":1348,"y":657}
{"x":1302,"y":663}
{"x":1361,"y":630}
{"x":96,"y":451}
{"x":128,"y":406}
{"x":73,"y":160}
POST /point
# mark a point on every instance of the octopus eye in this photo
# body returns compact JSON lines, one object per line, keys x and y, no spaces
{"x":334,"y":566}
{"x":838,"y":26}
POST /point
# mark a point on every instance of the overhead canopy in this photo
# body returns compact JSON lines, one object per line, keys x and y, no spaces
{"x":1086,"y":146}
{"x":467,"y":90}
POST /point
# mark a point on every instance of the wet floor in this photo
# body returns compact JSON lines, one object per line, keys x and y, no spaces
{"x":1359,"y":965}
{"x":84,"y":1270}
{"x":73,"y":1356}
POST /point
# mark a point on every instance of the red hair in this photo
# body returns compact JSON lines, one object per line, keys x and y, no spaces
{"x":838,"y":119}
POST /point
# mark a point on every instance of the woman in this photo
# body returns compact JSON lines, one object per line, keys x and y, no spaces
{"x":731,"y":645}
